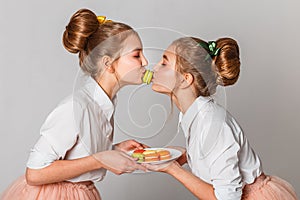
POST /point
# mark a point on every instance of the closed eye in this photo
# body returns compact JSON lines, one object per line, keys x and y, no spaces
{"x":137,"y":54}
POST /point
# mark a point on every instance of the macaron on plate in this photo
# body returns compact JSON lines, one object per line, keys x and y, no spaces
{"x":155,"y":155}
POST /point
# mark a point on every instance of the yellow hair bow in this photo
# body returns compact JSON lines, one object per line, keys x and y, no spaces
{"x":102,"y":19}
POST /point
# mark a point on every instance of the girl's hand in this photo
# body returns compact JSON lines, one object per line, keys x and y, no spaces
{"x":117,"y":162}
{"x":167,"y":167}
{"x":129,"y":145}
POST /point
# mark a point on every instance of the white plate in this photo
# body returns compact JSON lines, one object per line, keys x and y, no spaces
{"x":174,"y":155}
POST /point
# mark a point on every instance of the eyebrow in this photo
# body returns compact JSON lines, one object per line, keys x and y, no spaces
{"x":137,"y":49}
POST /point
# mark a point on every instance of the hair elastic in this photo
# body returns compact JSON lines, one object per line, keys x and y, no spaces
{"x":211,"y":48}
{"x":102,"y":19}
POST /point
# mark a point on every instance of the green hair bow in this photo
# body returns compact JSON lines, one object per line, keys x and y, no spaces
{"x":211,"y":48}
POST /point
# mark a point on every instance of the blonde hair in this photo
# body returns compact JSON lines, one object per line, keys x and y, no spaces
{"x":93,"y":40}
{"x":222,"y":69}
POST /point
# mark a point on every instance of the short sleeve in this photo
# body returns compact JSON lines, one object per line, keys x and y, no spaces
{"x":60,"y":129}
{"x":41,"y":155}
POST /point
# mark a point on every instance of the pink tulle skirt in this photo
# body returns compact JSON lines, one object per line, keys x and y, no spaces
{"x":269,"y":188}
{"x":20,"y":190}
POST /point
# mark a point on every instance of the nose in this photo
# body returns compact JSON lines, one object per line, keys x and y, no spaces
{"x":144,"y":61}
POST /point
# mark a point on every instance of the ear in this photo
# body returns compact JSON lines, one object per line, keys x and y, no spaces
{"x":187,"y":80}
{"x":106,"y":61}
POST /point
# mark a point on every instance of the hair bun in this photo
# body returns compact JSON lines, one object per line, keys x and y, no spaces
{"x":81,"y":26}
{"x":227,"y":63}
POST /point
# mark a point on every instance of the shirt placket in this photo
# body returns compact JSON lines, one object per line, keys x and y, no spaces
{"x":187,"y":142}
{"x":111,"y":134}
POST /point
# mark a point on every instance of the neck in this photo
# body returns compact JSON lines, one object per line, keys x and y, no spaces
{"x":184,"y":99}
{"x":109,"y":86}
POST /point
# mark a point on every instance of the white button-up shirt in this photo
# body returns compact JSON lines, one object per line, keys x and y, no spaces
{"x":79,"y":126}
{"x":218,"y":151}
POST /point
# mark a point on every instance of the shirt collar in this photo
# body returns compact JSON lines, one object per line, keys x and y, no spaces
{"x":100,"y":97}
{"x":188,"y":117}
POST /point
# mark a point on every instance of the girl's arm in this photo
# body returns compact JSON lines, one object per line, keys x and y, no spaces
{"x":61,"y":170}
{"x":198,"y":187}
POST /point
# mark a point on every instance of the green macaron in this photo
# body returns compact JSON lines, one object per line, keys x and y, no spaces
{"x":147,"y":77}
{"x":140,"y":156}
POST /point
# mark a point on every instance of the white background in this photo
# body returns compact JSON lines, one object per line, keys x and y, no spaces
{"x":36,"y":73}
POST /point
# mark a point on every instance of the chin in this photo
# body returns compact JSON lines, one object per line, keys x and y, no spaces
{"x":132,"y":82}
{"x":161,"y":89}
